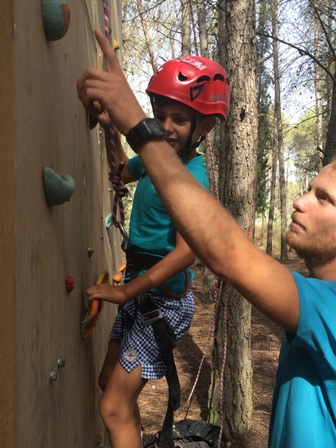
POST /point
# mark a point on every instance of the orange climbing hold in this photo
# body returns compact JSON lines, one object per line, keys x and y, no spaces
{"x":95,"y":307}
{"x":93,"y":310}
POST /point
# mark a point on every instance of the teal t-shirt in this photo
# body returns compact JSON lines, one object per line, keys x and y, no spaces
{"x":304,"y":402}
{"x":151,"y":229}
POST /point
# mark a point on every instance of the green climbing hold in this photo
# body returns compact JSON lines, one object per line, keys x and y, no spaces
{"x":58,"y":188}
{"x":56,"y":18}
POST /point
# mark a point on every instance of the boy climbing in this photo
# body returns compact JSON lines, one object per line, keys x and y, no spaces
{"x":187,"y":94}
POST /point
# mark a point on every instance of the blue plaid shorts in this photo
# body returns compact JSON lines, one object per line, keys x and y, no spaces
{"x":138,"y":344}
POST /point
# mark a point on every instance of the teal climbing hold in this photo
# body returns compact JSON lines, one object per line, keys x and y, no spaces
{"x":108,"y":220}
{"x":56,"y":18}
{"x":58,"y":188}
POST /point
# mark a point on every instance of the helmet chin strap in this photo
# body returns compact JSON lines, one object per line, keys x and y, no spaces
{"x":189,"y":147}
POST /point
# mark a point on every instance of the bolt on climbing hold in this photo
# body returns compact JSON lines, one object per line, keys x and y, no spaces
{"x":60,"y":363}
{"x":58,"y":188}
{"x":52,"y":376}
{"x":56,"y":18}
{"x":90,"y":251}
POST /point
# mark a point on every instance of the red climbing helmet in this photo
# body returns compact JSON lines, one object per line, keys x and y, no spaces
{"x":198,"y":82}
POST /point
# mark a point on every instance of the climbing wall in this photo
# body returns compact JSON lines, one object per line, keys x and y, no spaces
{"x":48,"y":374}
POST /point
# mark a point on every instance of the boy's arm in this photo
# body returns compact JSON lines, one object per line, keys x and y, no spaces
{"x":210,"y":231}
{"x":179,"y":259}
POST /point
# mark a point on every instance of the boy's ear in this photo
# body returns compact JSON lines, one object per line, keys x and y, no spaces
{"x":207,"y":124}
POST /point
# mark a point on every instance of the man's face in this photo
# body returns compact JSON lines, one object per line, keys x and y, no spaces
{"x":312,"y":232}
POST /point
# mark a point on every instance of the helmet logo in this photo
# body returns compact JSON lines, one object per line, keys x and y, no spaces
{"x":194,"y":62}
{"x":195,"y":91}
{"x":218,"y":98}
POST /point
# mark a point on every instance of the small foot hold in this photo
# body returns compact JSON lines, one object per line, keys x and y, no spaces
{"x":58,"y":188}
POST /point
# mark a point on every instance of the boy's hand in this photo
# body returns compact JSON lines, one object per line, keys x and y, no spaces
{"x":111,"y":89}
{"x":109,"y":293}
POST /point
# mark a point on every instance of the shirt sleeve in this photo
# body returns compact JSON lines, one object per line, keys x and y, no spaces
{"x":135,"y":166}
{"x":317,"y":321}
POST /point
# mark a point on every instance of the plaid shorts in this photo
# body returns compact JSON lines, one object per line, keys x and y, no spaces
{"x":138,"y":344}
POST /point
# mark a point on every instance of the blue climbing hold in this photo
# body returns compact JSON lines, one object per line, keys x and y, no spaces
{"x":56,"y":18}
{"x":58,"y":188}
{"x":108,"y":220}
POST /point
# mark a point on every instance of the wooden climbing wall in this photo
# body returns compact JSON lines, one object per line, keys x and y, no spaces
{"x":42,"y":124}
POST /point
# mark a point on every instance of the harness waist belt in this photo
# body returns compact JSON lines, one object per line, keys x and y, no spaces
{"x":141,"y":262}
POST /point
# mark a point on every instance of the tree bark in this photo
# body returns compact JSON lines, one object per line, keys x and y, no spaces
{"x":237,"y":53}
{"x":278,"y":131}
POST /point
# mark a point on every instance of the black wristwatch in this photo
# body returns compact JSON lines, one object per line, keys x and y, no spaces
{"x":147,"y":129}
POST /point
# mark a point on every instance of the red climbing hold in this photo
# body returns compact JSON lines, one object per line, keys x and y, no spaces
{"x":69,"y":283}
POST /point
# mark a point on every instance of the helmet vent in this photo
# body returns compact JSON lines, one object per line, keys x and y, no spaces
{"x":219,"y":77}
{"x":182,"y":77}
{"x":203,"y":79}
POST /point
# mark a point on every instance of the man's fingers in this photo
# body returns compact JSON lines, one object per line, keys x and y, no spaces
{"x":106,"y":48}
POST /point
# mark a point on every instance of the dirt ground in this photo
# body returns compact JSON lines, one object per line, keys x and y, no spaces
{"x":266,"y":340}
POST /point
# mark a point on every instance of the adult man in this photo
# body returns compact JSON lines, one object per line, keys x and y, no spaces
{"x":304,"y":407}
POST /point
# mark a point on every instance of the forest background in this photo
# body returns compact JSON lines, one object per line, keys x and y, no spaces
{"x":280,"y":58}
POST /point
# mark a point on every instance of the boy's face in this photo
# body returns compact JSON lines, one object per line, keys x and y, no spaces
{"x":176,"y":118}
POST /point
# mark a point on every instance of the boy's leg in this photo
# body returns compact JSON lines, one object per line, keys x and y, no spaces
{"x":118,"y":406}
{"x":110,"y":360}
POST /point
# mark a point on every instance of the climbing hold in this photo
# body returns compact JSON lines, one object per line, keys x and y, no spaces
{"x":56,"y":18}
{"x":69,"y":283}
{"x":93,"y":310}
{"x":108,"y":221}
{"x":90,"y":251}
{"x":58,"y":188}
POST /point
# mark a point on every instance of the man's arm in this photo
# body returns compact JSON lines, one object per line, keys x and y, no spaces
{"x":210,"y":231}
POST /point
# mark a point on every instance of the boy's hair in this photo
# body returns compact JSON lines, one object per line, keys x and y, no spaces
{"x":161,"y":100}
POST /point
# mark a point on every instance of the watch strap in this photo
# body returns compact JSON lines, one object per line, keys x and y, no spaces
{"x":148,"y":129}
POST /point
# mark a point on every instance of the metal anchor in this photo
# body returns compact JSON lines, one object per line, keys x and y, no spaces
{"x":124,"y":234}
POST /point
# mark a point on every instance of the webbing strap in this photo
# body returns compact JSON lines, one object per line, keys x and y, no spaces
{"x":166,"y":341}
{"x":174,"y":390}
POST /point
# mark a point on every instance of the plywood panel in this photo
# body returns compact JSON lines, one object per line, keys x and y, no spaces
{"x":40,"y":244}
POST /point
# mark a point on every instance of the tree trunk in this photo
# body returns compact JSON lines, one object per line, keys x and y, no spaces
{"x":330,"y":146}
{"x":146,"y":34}
{"x":269,"y":243}
{"x":278,"y":131}
{"x":237,"y":53}
{"x":186,"y":30}
{"x":203,"y":34}
{"x":318,"y":91}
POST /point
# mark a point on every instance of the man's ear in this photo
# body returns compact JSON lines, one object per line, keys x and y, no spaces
{"x":207,"y":124}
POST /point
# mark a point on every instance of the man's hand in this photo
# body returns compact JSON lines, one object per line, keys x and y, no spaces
{"x":111,"y":89}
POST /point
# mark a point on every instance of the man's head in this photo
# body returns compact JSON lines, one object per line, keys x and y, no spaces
{"x":312,"y":232}
{"x":198,"y":83}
